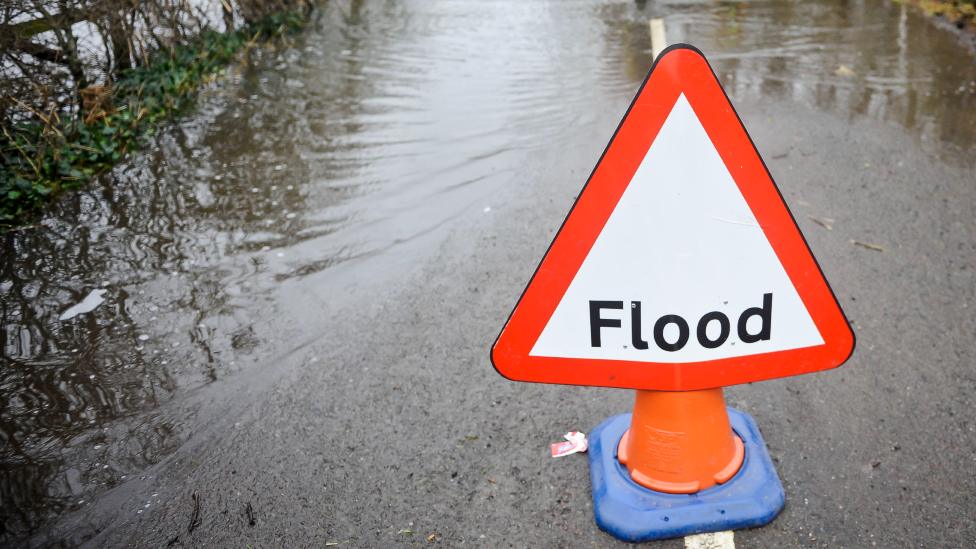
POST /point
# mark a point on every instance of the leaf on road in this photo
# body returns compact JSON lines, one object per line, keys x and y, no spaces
{"x":845,"y":71}
{"x":825,"y":222}
{"x":867,"y":245}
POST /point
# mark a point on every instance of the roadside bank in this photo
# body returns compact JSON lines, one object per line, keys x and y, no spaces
{"x":957,"y":16}
{"x":58,"y":134}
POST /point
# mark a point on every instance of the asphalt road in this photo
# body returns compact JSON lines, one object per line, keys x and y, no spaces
{"x":383,"y":423}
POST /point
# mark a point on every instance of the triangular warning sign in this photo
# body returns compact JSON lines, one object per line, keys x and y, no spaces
{"x":679,"y":267}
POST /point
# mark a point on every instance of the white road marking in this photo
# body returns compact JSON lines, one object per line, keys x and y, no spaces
{"x":713,"y":540}
{"x":658,"y":41}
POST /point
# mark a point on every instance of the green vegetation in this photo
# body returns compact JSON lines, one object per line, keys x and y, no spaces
{"x":961,"y":13}
{"x":51,"y":152}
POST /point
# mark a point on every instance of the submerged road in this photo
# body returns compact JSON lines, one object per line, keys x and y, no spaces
{"x":304,"y":279}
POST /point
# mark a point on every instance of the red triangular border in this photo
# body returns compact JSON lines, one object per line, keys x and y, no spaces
{"x":679,"y":69}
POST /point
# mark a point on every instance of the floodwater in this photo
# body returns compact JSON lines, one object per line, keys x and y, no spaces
{"x":336,"y":160}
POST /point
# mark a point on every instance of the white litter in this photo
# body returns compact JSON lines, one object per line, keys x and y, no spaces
{"x":575,"y":442}
{"x":87,"y":305}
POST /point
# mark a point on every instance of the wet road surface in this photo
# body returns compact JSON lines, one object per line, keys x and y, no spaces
{"x":302,"y":279}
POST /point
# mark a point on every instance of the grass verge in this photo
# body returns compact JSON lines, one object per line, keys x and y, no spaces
{"x":961,"y":13}
{"x":53,"y":152}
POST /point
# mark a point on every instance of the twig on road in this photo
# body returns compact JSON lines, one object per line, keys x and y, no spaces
{"x":195,"y":515}
{"x":249,"y":514}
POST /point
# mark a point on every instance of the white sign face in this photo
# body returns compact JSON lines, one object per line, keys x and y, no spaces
{"x":681,"y":272}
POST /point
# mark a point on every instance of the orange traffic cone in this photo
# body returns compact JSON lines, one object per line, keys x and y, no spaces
{"x":680,"y":442}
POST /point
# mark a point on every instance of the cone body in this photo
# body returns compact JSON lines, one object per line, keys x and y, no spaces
{"x":680,"y":442}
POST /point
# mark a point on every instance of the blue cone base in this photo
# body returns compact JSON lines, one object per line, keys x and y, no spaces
{"x":631,"y":512}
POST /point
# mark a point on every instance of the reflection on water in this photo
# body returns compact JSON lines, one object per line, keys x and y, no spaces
{"x":874,"y":59}
{"x":382,"y":124}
